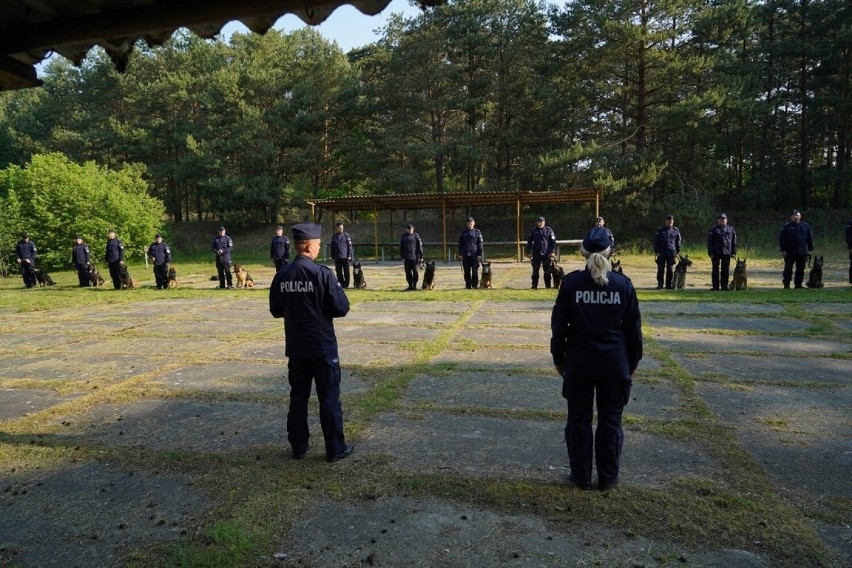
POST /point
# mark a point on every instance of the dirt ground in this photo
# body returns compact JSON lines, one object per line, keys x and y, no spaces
{"x":205,"y":379}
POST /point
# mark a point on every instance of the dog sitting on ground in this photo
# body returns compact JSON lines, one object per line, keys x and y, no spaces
{"x":172,"y":277}
{"x":485,"y":281}
{"x":124,"y":278}
{"x":740,"y":280}
{"x":358,"y":279}
{"x":815,"y":275}
{"x":557,"y":274}
{"x":244,"y":279}
{"x":683,"y":263}
{"x":429,"y":276}
{"x":95,"y":278}
{"x":616,"y":267}
{"x":43,"y":278}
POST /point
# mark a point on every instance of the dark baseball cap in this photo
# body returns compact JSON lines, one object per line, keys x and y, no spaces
{"x":669,"y":218}
{"x":158,"y":236}
{"x":306,"y":231}
{"x":221,"y":228}
{"x":409,"y":226}
{"x":722,"y":216}
{"x":795,"y":212}
{"x":540,"y":220}
{"x":470,"y":220}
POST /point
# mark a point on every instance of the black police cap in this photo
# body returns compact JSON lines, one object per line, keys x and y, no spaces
{"x":306,"y":231}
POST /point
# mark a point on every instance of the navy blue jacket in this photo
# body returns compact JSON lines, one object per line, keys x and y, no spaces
{"x":596,"y":331}
{"x":280,"y":248}
{"x":470,"y":243}
{"x":849,"y":234}
{"x":722,"y":239}
{"x":26,"y":250}
{"x":341,"y":246}
{"x":160,"y":253}
{"x":796,"y":238}
{"x":225,"y":244}
{"x":410,"y":247}
{"x":541,"y":242}
{"x":667,"y":241}
{"x":80,"y":254}
{"x":308,"y":296}
{"x":114,"y":250}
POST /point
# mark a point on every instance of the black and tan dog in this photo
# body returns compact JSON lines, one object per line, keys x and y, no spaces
{"x":358,"y":280}
{"x":172,"y":277}
{"x":557,"y":273}
{"x":43,"y":278}
{"x":127,"y":282}
{"x":429,"y":276}
{"x":815,"y":275}
{"x":95,"y":278}
{"x":616,"y":266}
{"x":683,"y":263}
{"x":740,"y":280}
{"x":485,"y":280}
{"x":244,"y":279}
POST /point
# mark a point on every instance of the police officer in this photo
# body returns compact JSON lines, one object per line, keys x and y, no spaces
{"x":721,"y":246}
{"x":26,"y":253}
{"x":80,"y":258}
{"x":541,"y":248}
{"x":308,"y":297}
{"x":666,"y":248}
{"x":222,"y":246}
{"x":470,"y":252}
{"x":279,"y":250}
{"x":849,"y":247}
{"x":114,"y":258}
{"x":161,"y":256}
{"x":601,"y":223}
{"x":596,"y":345}
{"x":796,"y":245}
{"x":411,"y":253}
{"x":341,"y":252}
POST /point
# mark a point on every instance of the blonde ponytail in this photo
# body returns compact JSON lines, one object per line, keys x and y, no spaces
{"x":598,"y":264}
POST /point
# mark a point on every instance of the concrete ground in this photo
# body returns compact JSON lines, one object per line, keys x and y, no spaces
{"x":207,"y":377}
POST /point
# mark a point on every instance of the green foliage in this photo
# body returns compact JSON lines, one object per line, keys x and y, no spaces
{"x":55,"y":199}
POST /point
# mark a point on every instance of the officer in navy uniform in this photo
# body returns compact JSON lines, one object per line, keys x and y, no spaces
{"x":114,"y":258}
{"x":411,"y":253}
{"x":279,"y":250}
{"x":596,"y":346}
{"x":541,"y":248}
{"x":80,"y":258}
{"x":721,"y":246}
{"x":308,"y":297}
{"x":470,"y":252}
{"x":341,"y":252}
{"x":796,"y":245}
{"x":161,"y":256}
{"x":222,"y":246}
{"x":600,"y":222}
{"x":26,"y":253}
{"x":666,"y":248}
{"x":849,"y":247}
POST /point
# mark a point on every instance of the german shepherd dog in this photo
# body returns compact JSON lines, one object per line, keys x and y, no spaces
{"x":485,"y":280}
{"x":616,"y":267}
{"x":683,"y":263}
{"x":127,"y":283}
{"x":358,"y":276}
{"x":244,"y":279}
{"x":172,"y":277}
{"x":95,"y":278}
{"x":43,"y":278}
{"x":814,"y":277}
{"x":429,"y":276}
{"x":557,"y":274}
{"x":740,"y":280}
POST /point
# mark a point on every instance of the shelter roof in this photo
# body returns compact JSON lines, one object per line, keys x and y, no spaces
{"x":31,"y":29}
{"x":454,"y":200}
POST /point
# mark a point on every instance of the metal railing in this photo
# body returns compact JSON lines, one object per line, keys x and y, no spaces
{"x":388,"y":251}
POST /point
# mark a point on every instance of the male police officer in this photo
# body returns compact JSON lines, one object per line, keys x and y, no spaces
{"x":26,"y":253}
{"x":161,"y":256}
{"x":849,"y":247}
{"x":470,"y":252}
{"x":541,"y":248}
{"x":341,"y":252}
{"x":666,"y":247}
{"x":80,"y":257}
{"x":222,"y":246}
{"x":721,"y":246}
{"x":308,"y":297}
{"x":601,"y":224}
{"x":796,"y":244}
{"x":114,"y":258}
{"x":411,"y":253}
{"x":279,"y":250}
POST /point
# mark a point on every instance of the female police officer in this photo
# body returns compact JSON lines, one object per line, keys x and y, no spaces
{"x":596,"y":345}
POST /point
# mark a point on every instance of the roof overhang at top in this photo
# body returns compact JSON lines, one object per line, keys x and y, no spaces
{"x":455,"y":200}
{"x":31,"y":29}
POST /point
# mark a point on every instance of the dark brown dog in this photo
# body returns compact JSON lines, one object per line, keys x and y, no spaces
{"x":616,"y":267}
{"x":814,"y":278}
{"x":172,"y":277}
{"x":127,"y":283}
{"x":429,"y":276}
{"x":740,"y":280}
{"x":43,"y":278}
{"x":683,"y":263}
{"x":95,"y":278}
{"x":358,"y":279}
{"x":485,"y":280}
{"x":557,"y":273}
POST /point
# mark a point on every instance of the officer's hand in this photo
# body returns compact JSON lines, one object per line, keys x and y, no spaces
{"x":166,"y":266}
{"x":121,"y":263}
{"x":19,"y":260}
{"x":478,"y":259}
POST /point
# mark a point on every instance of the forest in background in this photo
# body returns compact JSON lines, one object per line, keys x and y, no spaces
{"x":676,"y":104}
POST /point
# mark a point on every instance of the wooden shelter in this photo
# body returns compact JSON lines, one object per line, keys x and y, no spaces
{"x":450,"y":201}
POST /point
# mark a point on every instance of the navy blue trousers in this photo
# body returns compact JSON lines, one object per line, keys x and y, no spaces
{"x":325,"y":371}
